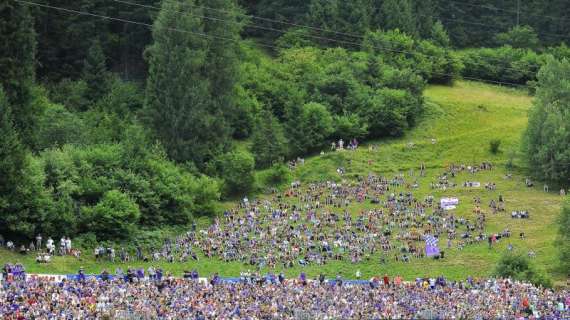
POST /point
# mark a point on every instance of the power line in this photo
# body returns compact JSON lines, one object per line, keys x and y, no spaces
{"x":85,"y":13}
{"x":284,"y":22}
{"x":345,"y":42}
{"x":507,"y":10}
{"x":215,"y":36}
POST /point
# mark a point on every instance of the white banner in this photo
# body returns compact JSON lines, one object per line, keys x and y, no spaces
{"x":449,"y":203}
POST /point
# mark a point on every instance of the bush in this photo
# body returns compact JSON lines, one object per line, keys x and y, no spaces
{"x":70,"y":94}
{"x":388,"y":113}
{"x":504,"y":64}
{"x":348,"y":127}
{"x":494,"y":146}
{"x":114,"y":217}
{"x":309,"y":130}
{"x":518,"y":267}
{"x":236,"y":169}
{"x":519,"y":37}
{"x":278,"y":174}
{"x":57,"y":127}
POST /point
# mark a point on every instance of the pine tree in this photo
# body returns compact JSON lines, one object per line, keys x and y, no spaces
{"x":95,"y":73}
{"x":222,"y":61}
{"x":439,"y":36}
{"x":12,"y":158}
{"x":179,"y":93}
{"x":398,"y":14}
{"x":269,"y":144}
{"x":17,"y":65}
{"x":424,"y":11}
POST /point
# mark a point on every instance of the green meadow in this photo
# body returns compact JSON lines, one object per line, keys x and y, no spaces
{"x":462,"y":119}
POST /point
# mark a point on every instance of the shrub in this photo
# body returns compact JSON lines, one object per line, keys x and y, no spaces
{"x":70,"y":94}
{"x":57,"y":127}
{"x":309,"y":130}
{"x":114,"y":217}
{"x":519,"y":37}
{"x":518,"y":267}
{"x":494,"y":146}
{"x":236,"y":169}
{"x":277,"y":175}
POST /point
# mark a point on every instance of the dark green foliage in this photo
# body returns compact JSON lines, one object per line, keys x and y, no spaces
{"x":397,"y":15}
{"x":309,"y":130}
{"x":343,"y":18}
{"x":517,"y":266}
{"x":349,"y":126}
{"x":78,"y":178}
{"x":439,"y":35}
{"x":236,"y":168}
{"x":494,"y":146}
{"x":23,"y":201}
{"x":58,"y":126}
{"x":71,"y":94}
{"x":124,"y":99}
{"x":277,"y":175}
{"x":269,"y":144}
{"x":504,"y":64}
{"x":518,"y":37}
{"x":182,"y":107}
{"x":12,"y":160}
{"x":295,"y":38}
{"x":113,"y":218}
{"x":434,"y":63}
{"x":95,"y":73}
{"x":65,"y":38}
{"x":17,"y":66}
{"x":388,"y":111}
{"x":11,"y":150}
{"x":547,"y":139}
{"x":221,"y":67}
{"x":563,"y":240}
{"x":560,"y":52}
{"x":424,"y":13}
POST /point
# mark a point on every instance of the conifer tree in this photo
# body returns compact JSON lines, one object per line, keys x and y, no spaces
{"x":268,"y":140}
{"x":179,"y":93}
{"x":12,"y":159}
{"x":222,"y":61}
{"x":95,"y":72}
{"x":398,"y":14}
{"x":17,"y":65}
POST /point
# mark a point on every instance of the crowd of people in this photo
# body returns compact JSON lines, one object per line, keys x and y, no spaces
{"x":278,"y":298}
{"x":317,"y":223}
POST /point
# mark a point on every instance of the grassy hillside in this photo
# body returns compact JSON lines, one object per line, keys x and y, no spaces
{"x":463,"y":119}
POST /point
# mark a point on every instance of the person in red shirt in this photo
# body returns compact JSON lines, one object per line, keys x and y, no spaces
{"x":386,"y":280}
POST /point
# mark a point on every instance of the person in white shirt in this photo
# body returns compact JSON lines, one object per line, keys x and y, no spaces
{"x":62,"y":246}
{"x":49,"y":245}
{"x":67,"y":245}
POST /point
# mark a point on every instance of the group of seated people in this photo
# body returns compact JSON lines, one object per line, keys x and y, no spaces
{"x":254,"y":296}
{"x":522,"y":214}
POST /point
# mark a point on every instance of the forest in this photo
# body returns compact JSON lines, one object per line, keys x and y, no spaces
{"x":119,"y":117}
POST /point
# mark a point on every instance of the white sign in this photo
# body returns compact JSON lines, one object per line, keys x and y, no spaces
{"x":449,"y":203}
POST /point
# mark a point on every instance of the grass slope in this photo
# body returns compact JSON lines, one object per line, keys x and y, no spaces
{"x":463,"y":119}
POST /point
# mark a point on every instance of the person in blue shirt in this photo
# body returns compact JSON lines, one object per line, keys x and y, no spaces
{"x":81,"y":275}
